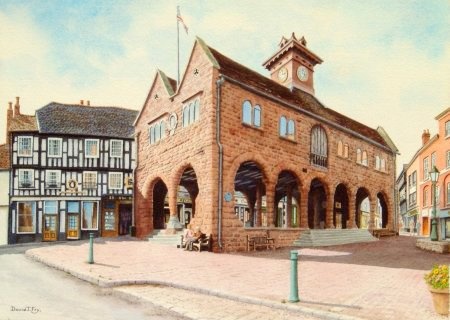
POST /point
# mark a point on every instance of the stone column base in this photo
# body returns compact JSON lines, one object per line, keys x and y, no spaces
{"x":173,"y":225}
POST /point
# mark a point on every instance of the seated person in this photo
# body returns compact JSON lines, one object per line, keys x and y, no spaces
{"x":194,"y":238}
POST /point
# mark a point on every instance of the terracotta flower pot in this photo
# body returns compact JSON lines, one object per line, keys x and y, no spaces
{"x":440,"y":300}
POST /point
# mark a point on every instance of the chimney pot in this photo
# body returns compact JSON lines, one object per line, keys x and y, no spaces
{"x":81,"y":102}
{"x":17,"y":107}
{"x":10,"y":105}
{"x":88,"y":102}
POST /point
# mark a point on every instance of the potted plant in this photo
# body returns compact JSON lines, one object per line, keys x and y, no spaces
{"x":437,"y":281}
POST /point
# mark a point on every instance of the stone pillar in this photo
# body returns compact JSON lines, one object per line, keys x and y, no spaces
{"x":258,"y":205}
{"x":351,"y":222}
{"x":174,"y":223}
{"x":303,"y":210}
{"x":270,"y":205}
{"x":373,"y":209}
{"x":329,"y":211}
{"x":289,"y":206}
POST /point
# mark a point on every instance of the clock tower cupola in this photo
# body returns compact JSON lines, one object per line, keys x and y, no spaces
{"x":293,"y":64}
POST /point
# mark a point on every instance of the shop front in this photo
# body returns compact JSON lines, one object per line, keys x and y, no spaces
{"x":116,"y":215}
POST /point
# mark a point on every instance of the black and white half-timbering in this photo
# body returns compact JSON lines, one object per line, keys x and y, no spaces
{"x":72,"y":173}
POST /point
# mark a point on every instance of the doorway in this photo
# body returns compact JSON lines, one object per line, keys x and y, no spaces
{"x":124,"y":218}
{"x":50,"y":227}
{"x":425,"y":226}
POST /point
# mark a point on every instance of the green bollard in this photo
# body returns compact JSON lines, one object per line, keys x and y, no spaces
{"x":293,"y":295}
{"x":91,"y":248}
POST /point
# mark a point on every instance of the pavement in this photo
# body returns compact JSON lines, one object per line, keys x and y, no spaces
{"x":379,"y":280}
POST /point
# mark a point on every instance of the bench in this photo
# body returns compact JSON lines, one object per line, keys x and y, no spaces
{"x":203,"y":243}
{"x":260,"y":242}
{"x":383,"y":233}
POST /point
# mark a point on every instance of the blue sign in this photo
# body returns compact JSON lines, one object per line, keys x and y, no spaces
{"x":228,"y":196}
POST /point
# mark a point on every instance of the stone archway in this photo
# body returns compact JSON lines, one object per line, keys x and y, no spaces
{"x":187,"y":195}
{"x":362,"y":207}
{"x":382,"y":210}
{"x":317,"y":205}
{"x":340,"y":207}
{"x":287,"y":200}
{"x":160,"y":213}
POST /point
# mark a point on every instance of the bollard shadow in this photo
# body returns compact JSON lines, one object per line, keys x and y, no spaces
{"x":106,"y":265}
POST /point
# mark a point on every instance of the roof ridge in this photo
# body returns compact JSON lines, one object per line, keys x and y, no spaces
{"x":85,"y":106}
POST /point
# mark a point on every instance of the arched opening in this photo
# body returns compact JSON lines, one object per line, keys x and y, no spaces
{"x":381,"y":218}
{"x":317,"y":205}
{"x":362,"y":215}
{"x":160,"y":211}
{"x":250,"y":183}
{"x":287,"y":200}
{"x":186,"y":196}
{"x":340,"y":207}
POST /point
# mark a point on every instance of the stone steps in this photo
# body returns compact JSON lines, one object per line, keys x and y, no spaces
{"x":161,"y":238}
{"x":332,"y":237}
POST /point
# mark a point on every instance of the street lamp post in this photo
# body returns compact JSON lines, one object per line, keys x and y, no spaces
{"x":434,"y":174}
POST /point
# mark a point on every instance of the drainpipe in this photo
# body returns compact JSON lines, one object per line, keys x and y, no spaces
{"x":133,"y":210}
{"x":220,"y":182}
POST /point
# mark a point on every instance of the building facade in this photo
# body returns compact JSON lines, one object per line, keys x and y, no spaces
{"x":71,"y":173}
{"x":227,"y":131}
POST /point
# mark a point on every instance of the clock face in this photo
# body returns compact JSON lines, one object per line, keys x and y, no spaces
{"x":302,"y":73}
{"x":282,"y":74}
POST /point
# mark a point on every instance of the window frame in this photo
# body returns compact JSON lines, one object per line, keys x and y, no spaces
{"x":45,"y":208}
{"x":58,"y":179}
{"x":191,"y":112}
{"x":257,"y":110}
{"x":319,"y":146}
{"x":59,"y":154}
{"x":85,"y":183}
{"x":447,"y":128}
{"x":21,"y":182}
{"x":94,"y":213}
{"x":448,"y":193}
{"x":426,"y":171}
{"x":33,"y":217}
{"x":247,"y":112}
{"x":115,"y":154}
{"x":90,"y":156}
{"x":20,"y":149}
{"x":109,"y":181}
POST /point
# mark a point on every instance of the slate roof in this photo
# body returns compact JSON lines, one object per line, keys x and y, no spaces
{"x":73,"y":119}
{"x":298,"y":98}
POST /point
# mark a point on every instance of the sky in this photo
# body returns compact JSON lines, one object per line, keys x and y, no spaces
{"x":386,"y":63}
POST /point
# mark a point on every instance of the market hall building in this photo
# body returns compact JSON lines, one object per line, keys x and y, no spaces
{"x":71,"y":172}
{"x":227,"y":133}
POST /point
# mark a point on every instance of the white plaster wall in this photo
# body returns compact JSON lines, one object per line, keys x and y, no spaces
{"x":4,"y":205}
{"x":4,"y":188}
{"x":3,"y":225}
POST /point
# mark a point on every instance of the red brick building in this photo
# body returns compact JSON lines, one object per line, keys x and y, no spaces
{"x":227,"y":131}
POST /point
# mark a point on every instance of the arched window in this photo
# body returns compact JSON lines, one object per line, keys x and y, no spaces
{"x":346,"y":150}
{"x":185,"y":116}
{"x":191,"y":112}
{"x":283,"y":126}
{"x":257,"y":116}
{"x":377,"y":163}
{"x":448,"y":193}
{"x":358,"y":155}
{"x":157,"y":132}
{"x":247,"y":112}
{"x":291,"y":129}
{"x":196,"y":110}
{"x":340,"y":150}
{"x":364,"y":158}
{"x":319,"y":146}
{"x":383,"y":165}
{"x":163,"y":129}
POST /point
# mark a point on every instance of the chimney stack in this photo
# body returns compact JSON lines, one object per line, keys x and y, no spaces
{"x":425,"y":136}
{"x":82,"y":102}
{"x":88,"y":103}
{"x":9,"y":116}
{"x":17,"y":107}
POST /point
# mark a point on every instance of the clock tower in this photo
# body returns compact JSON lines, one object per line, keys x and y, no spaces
{"x":293,"y":64}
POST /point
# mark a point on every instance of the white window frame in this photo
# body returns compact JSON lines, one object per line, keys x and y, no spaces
{"x":45,"y":207}
{"x":20,"y":175}
{"x":58,"y":179}
{"x":33,"y":217}
{"x":190,"y":112}
{"x":59,"y":154}
{"x":110,"y":186}
{"x":82,"y":215}
{"x":20,"y":148}
{"x":90,"y":156}
{"x":448,"y":158}
{"x":85,"y":173}
{"x":116,"y":154}
{"x":426,"y":168}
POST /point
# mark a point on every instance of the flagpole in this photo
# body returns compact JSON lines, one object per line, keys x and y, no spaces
{"x":178,"y":46}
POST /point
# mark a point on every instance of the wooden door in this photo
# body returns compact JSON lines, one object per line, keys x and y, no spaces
{"x":50,"y":228}
{"x":425,"y":227}
{"x":110,"y":223}
{"x":73,"y":226}
{"x":124,"y":218}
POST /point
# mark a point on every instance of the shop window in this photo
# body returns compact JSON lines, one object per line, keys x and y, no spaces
{"x":50,"y":207}
{"x":319,"y":146}
{"x":25,"y":146}
{"x":91,"y":147}
{"x":54,"y":147}
{"x":53,"y":179}
{"x":115,"y":180}
{"x":116,"y":148}
{"x":73,"y":207}
{"x":89,"y":180}
{"x":26,"y":179}
{"x":89,"y":216}
{"x":26,"y":217}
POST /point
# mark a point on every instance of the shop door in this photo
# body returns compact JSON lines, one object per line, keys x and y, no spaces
{"x":124,"y":218}
{"x":425,"y":227}
{"x":73,"y":226}
{"x":50,"y":227}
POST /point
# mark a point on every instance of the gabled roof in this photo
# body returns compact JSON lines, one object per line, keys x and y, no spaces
{"x":59,"y":118}
{"x":22,"y":122}
{"x":302,"y":100}
{"x":4,"y":156}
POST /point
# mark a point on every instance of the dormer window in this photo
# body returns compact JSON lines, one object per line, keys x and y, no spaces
{"x":25,"y":146}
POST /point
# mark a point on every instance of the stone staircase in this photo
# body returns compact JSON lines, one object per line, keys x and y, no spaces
{"x":161,"y":238}
{"x":332,"y":237}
